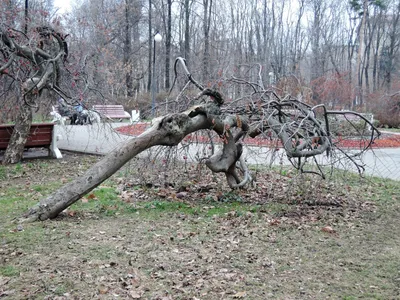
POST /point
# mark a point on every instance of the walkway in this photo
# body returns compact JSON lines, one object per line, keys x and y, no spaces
{"x":102,"y":138}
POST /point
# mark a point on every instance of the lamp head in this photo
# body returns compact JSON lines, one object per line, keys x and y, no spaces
{"x":158,"y":38}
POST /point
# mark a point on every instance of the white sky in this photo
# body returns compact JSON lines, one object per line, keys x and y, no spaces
{"x":63,"y":5}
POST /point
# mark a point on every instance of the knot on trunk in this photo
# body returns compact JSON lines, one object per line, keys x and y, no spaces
{"x":174,"y":127}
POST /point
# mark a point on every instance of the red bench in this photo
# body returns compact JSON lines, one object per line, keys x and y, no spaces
{"x":112,"y":111}
{"x":41,"y":135}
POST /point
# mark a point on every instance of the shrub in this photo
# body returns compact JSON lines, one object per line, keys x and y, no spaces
{"x":386,"y":109}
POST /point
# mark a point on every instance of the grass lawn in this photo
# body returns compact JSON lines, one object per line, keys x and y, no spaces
{"x":289,"y":237}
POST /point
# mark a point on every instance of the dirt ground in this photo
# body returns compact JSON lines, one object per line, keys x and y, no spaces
{"x":187,"y":236}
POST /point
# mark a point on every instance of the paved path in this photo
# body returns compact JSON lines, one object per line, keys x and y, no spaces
{"x":102,"y":138}
{"x":93,"y":139}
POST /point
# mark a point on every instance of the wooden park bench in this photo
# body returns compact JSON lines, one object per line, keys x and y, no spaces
{"x":42,"y":135}
{"x":112,"y":111}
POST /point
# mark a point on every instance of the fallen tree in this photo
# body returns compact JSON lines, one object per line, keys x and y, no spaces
{"x":303,"y":131}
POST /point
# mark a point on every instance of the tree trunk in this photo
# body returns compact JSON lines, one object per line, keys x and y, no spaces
{"x":128,"y":49}
{"x":168,"y":131}
{"x":206,"y":31}
{"x":361,"y":54}
{"x":187,"y":32}
{"x":150,"y":46}
{"x":15,"y":149}
{"x":316,"y":58}
{"x":26,"y":16}
{"x":392,"y":49}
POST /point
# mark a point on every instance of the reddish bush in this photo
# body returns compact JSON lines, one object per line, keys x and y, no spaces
{"x":386,"y":106}
{"x":386,"y":109}
{"x":334,"y":90}
{"x":292,"y":85}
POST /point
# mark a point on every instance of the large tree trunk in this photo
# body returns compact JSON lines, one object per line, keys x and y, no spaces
{"x":168,"y":131}
{"x":15,"y":149}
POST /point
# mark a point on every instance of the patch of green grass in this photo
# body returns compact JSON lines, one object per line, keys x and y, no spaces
{"x":167,"y":206}
{"x":29,"y":237}
{"x":100,"y":252}
{"x":224,"y":209}
{"x":14,"y":201}
{"x":22,"y":168}
{"x":349,"y":298}
{"x":3,"y":172}
{"x":208,"y":209}
{"x":18,"y":167}
{"x":231,"y":196}
{"x":60,"y":290}
{"x":37,"y":188}
{"x":44,"y":165}
{"x":385,"y":191}
{"x":103,"y":200}
{"x":100,"y":200}
{"x":9,"y":271}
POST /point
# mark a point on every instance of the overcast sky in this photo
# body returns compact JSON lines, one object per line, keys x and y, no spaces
{"x":64,"y":5}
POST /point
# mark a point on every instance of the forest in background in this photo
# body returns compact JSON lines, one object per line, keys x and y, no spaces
{"x":337,"y":52}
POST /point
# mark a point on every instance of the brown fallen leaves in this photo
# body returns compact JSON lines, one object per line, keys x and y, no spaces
{"x":328,"y":229}
{"x":240,"y":295}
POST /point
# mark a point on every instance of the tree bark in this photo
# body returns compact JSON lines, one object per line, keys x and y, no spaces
{"x":26,"y":16}
{"x":150,"y":48}
{"x":206,"y":31}
{"x":128,"y":49}
{"x":45,"y":65}
{"x":168,"y":44}
{"x":393,"y":48}
{"x":15,"y":148}
{"x":187,"y":32}
{"x":361,"y":54}
{"x":169,"y":131}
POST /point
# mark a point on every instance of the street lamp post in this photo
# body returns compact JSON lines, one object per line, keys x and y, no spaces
{"x":157,"y":39}
{"x":271,"y":77}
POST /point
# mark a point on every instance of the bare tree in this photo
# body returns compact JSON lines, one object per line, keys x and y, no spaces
{"x":362,"y":8}
{"x":317,"y":60}
{"x":207,"y":10}
{"x":168,"y":39}
{"x":43,"y":60}
{"x":392,"y":49}
{"x":187,"y":30}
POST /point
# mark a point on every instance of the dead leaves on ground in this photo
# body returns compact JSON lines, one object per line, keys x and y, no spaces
{"x":304,"y":201}
{"x":328,"y":229}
